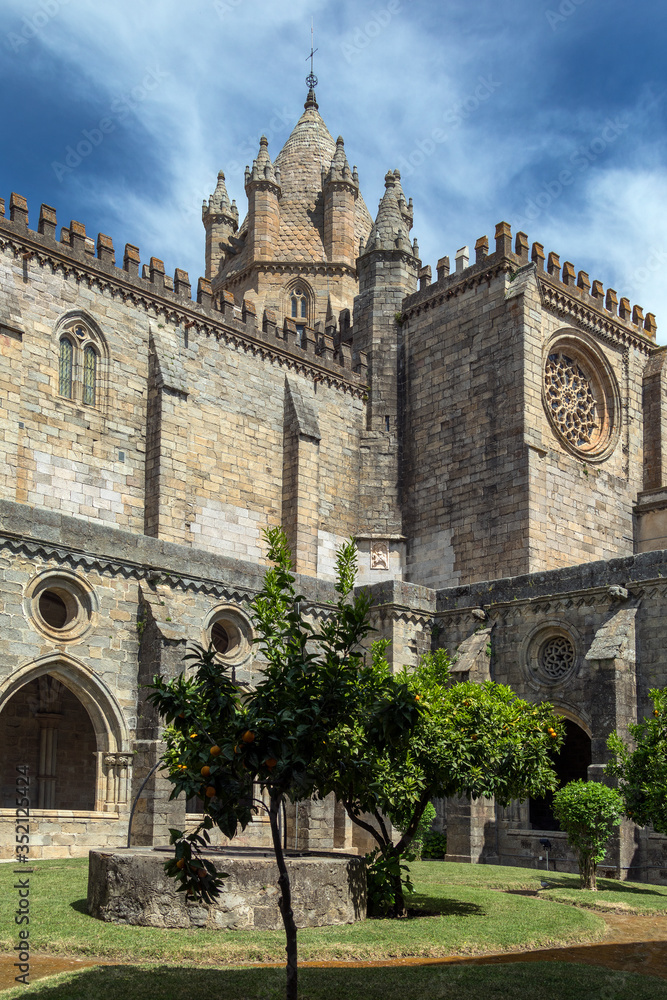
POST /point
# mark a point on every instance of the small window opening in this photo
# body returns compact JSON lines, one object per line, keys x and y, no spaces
{"x":53,"y":609}
{"x":89,"y":373}
{"x":65,"y":368}
{"x":220,"y":638}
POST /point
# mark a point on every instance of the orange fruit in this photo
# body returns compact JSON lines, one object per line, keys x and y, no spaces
{"x":215,"y":751}
{"x":416,"y":697}
{"x":210,"y":791}
{"x":270,"y":762}
{"x":180,"y":863}
{"x":248,"y":736}
{"x":655,"y":711}
{"x":181,"y":715}
{"x":202,"y":872}
{"x":205,"y":771}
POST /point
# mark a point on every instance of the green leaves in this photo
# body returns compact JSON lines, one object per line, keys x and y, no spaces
{"x":589,"y":811}
{"x":642,"y":772}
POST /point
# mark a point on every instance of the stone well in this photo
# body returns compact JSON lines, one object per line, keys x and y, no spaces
{"x":130,"y":887}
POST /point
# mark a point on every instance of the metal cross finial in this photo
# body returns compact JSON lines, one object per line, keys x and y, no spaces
{"x":311,"y":79}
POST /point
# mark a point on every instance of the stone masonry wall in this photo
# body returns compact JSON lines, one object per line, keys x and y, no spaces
{"x":465,"y":468}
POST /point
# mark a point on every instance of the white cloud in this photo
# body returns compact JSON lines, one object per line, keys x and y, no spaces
{"x":391,"y":73}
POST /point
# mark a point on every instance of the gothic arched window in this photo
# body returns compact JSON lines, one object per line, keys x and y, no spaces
{"x":89,"y":375}
{"x":65,"y":367}
{"x":81,"y":354}
{"x":299,"y":304}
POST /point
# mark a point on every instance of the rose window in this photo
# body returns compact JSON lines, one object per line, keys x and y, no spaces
{"x":570,"y":399}
{"x":556,"y":657}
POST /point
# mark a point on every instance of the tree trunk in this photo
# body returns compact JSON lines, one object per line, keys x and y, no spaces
{"x":587,"y":872}
{"x":285,"y":901}
{"x":399,"y":909}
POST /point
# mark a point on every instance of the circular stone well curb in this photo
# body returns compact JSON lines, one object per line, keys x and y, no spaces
{"x":131,"y":887}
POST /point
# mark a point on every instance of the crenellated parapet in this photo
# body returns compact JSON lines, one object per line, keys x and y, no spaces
{"x":562,"y":287}
{"x":147,"y":286}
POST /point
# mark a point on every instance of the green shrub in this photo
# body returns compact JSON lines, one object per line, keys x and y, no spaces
{"x":384,"y":872}
{"x":434,"y":845}
{"x":589,"y":811}
{"x":423,"y":828}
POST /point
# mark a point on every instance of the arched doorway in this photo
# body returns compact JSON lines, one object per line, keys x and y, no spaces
{"x":44,"y":725}
{"x":571,"y":764}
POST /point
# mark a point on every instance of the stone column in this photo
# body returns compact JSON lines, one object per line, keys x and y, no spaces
{"x":115,"y":772}
{"x":611,"y":661}
{"x":48,"y":750}
{"x":470,"y":830}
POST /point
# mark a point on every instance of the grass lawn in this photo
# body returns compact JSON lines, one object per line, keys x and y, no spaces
{"x":472,"y":917}
{"x":612,"y":895}
{"x":543,"y":980}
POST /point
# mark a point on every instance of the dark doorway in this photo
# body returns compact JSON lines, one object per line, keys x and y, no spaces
{"x":45,"y":728}
{"x":571,"y":764}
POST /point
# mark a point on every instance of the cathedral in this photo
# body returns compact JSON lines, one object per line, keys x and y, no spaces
{"x":491,"y":435}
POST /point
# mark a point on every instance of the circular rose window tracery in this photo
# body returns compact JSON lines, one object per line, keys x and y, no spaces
{"x":581,"y":397}
{"x":556,"y":657}
{"x":570,"y":397}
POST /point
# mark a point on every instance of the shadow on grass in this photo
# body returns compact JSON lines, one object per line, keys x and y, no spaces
{"x":604,"y":884}
{"x":438,"y":906}
{"x":548,"y":980}
{"x":81,"y":906}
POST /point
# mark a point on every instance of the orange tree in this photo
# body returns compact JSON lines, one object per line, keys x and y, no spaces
{"x":468,"y":739}
{"x":221,"y":746}
{"x":642,"y":770}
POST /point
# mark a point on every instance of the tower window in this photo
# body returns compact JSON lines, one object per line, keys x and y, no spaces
{"x":65,"y":368}
{"x":89,"y":375}
{"x":79,"y":364}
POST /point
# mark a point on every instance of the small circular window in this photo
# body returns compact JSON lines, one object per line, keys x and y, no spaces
{"x":556,"y":657}
{"x":54,"y":610}
{"x":60,"y":605}
{"x":581,"y":398}
{"x":230,"y":632}
{"x":220,"y":637}
{"x":550,"y":653}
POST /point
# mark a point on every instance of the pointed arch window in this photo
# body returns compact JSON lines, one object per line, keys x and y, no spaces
{"x":298,"y":303}
{"x":89,"y":375}
{"x":65,"y":367}
{"x":81,"y":354}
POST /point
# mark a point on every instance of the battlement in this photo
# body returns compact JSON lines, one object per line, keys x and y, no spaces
{"x":562,"y":278}
{"x":318,"y":345}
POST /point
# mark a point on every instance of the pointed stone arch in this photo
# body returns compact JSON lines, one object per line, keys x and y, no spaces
{"x":111,"y":730}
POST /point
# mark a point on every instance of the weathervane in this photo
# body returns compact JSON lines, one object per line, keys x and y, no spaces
{"x":311,"y":79}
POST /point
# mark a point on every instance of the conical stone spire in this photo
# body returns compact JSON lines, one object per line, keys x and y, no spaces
{"x":262,"y":168}
{"x":219,"y":204}
{"x":390,"y":230}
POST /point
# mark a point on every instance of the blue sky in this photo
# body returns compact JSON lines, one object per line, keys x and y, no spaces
{"x":548,"y":114}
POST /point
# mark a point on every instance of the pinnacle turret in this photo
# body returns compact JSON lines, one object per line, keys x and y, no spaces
{"x":339,"y":169}
{"x":392,"y":224}
{"x":220,"y":205}
{"x":262,"y":168}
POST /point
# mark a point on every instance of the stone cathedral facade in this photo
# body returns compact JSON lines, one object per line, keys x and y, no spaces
{"x":494,"y":436}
